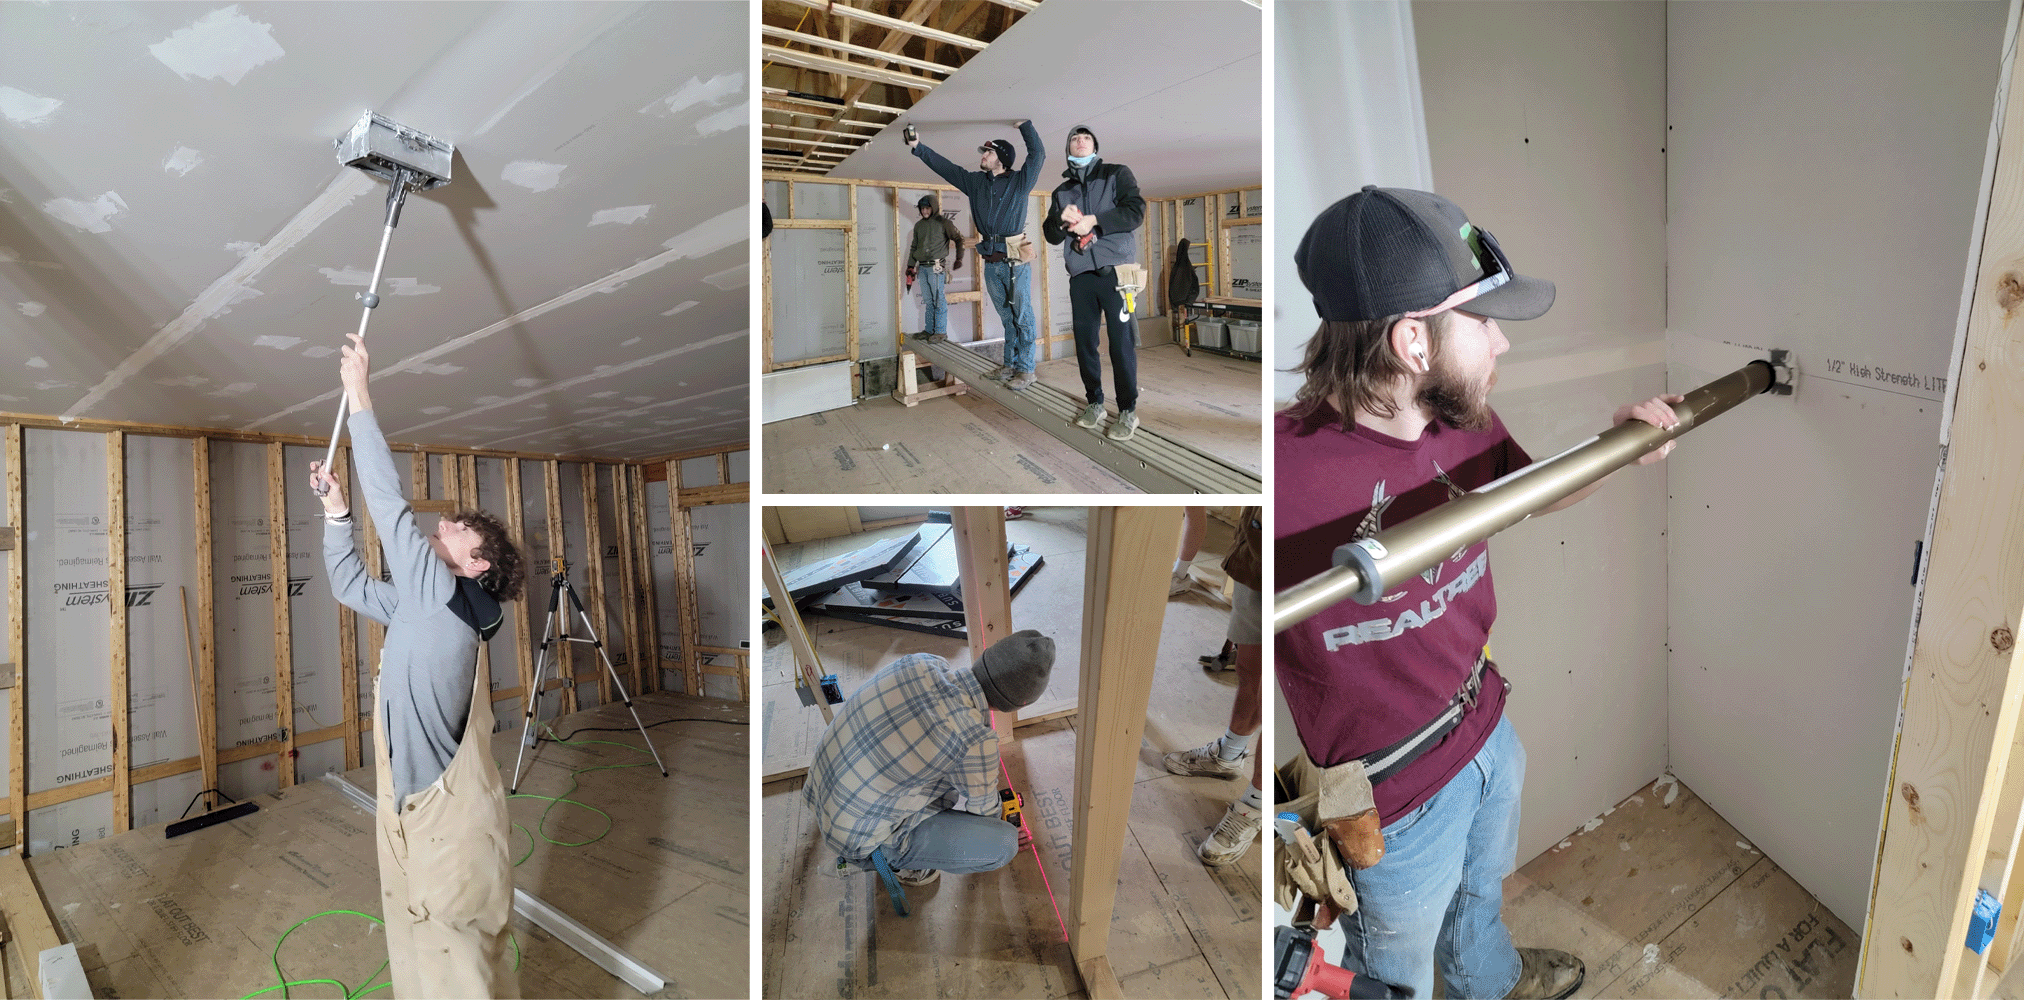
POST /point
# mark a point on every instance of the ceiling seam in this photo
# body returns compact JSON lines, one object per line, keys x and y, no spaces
{"x":622,"y":414}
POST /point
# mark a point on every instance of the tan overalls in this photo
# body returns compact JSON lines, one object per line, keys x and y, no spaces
{"x":446,"y":874}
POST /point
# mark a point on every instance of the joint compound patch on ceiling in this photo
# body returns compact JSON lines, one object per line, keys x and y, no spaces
{"x":726,"y":229}
{"x":183,"y":381}
{"x":24,"y":108}
{"x":624,"y":216}
{"x":319,"y":351}
{"x":222,"y":45}
{"x":690,"y":304}
{"x":278,"y":343}
{"x":89,"y":216}
{"x":729,"y":278}
{"x":443,"y":369}
{"x":396,"y":286}
{"x":182,"y":161}
{"x":533,"y":175}
{"x":725,"y":120}
{"x":33,"y":309}
{"x":714,"y":92}
{"x":37,"y":363}
{"x":9,"y":255}
{"x":235,"y":389}
{"x":242,"y":247}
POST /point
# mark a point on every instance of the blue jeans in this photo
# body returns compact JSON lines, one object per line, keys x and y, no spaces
{"x":1436,"y":898}
{"x":1010,"y":287}
{"x":934,"y":302}
{"x":959,"y":842}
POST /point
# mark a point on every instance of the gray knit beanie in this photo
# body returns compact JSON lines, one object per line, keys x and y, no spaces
{"x":1013,"y":671}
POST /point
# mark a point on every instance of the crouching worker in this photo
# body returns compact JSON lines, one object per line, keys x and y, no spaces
{"x":906,"y":778}
{"x":446,"y":883}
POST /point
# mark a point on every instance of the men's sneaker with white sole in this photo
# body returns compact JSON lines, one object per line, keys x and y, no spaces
{"x":1232,"y":837}
{"x":918,"y":876}
{"x":1123,"y":427}
{"x":1205,"y":762}
{"x":1091,"y":415}
{"x":1547,"y":974}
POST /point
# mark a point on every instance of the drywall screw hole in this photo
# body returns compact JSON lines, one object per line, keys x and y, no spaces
{"x":2002,"y":639}
{"x":1911,"y":794}
{"x":1906,"y":944}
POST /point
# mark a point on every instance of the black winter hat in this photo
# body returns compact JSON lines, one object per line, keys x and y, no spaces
{"x":1389,"y":251}
{"x":1002,"y":148}
{"x":1013,"y":671}
{"x":1094,"y":145}
{"x":927,"y":201}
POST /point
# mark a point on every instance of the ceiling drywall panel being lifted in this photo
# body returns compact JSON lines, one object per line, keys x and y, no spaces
{"x":1174,"y":91}
{"x":178,"y":245}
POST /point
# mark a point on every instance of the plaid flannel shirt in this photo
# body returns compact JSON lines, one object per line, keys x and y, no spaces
{"x":907,"y":743}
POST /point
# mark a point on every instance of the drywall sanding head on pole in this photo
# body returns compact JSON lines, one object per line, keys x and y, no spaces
{"x":409,"y":161}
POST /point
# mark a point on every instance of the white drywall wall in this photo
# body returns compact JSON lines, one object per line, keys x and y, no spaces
{"x":1824,"y":168}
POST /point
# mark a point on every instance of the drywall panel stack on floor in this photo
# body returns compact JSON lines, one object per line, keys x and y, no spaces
{"x":69,"y":725}
{"x":722,"y":539}
{"x":1823,"y":173}
{"x":1567,"y":172}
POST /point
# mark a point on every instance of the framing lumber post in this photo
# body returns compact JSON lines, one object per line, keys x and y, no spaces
{"x":516,"y":523}
{"x":558,"y":548}
{"x":1963,"y":686}
{"x":650,"y":627}
{"x":347,"y":638}
{"x":1124,"y":603}
{"x":685,"y":584}
{"x":593,"y":552}
{"x":987,"y":603}
{"x":621,"y":491}
{"x":798,"y":640}
{"x":284,"y":663}
{"x":207,"y":625}
{"x":17,"y":646}
{"x":115,"y":600}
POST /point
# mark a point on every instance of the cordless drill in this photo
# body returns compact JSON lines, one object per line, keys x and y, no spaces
{"x":1301,"y":968}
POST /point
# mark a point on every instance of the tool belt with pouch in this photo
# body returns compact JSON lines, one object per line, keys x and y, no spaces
{"x":1017,"y":248}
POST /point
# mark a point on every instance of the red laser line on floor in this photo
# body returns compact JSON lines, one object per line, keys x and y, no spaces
{"x":1034,"y":843}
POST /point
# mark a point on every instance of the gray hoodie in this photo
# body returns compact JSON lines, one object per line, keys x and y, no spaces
{"x":434,"y":619}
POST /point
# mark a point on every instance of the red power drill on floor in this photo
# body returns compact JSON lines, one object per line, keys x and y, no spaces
{"x":1301,"y":969}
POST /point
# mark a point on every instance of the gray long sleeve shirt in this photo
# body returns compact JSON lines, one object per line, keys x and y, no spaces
{"x":427,"y":663}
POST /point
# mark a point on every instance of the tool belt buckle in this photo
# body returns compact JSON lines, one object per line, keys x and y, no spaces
{"x":1472,"y":688}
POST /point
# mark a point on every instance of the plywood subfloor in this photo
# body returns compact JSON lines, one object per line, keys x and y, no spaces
{"x":968,"y":444}
{"x":200,"y":915}
{"x":1180,"y":929}
{"x":1661,"y":897}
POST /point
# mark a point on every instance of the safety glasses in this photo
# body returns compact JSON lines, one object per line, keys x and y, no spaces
{"x":1490,"y":257}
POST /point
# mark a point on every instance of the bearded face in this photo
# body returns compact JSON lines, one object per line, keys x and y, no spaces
{"x":1458,"y":399}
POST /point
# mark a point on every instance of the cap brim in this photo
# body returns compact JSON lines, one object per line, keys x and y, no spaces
{"x":1521,"y":298}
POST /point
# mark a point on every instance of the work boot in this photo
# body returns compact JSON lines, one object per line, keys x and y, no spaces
{"x":1180,"y":583}
{"x":1546,"y":974}
{"x":1000,"y":372}
{"x":1233,"y":836}
{"x":1205,"y":762}
{"x":918,"y":876}
{"x":1123,"y":427}
{"x":1091,"y":415}
{"x":1019,"y":382}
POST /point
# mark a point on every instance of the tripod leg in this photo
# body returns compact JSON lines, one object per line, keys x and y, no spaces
{"x":618,"y":683}
{"x":532,"y":699}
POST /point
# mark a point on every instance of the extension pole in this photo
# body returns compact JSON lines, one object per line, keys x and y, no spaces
{"x":1366,"y":569}
{"x":396,"y":196}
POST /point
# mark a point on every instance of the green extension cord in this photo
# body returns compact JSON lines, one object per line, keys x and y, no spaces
{"x":282,"y":981}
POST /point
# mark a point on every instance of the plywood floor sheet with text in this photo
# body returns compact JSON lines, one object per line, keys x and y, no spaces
{"x":1181,"y":929}
{"x":200,"y":915}
{"x":967,"y":444}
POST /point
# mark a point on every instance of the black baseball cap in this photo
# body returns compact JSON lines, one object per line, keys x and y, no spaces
{"x":1002,"y":148}
{"x":1392,"y":251}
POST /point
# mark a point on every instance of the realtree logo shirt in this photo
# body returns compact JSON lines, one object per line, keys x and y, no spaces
{"x":1360,"y":678}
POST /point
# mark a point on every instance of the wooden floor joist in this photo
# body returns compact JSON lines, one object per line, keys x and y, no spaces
{"x":1150,"y":461}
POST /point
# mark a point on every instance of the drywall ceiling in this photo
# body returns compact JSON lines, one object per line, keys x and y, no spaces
{"x":1174,"y":92}
{"x":178,"y":244}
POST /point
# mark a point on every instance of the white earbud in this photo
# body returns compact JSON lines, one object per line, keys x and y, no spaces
{"x":1420,"y":353}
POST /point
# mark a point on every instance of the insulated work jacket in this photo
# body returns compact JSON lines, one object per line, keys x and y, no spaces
{"x":1109,"y":192}
{"x":999,"y":201}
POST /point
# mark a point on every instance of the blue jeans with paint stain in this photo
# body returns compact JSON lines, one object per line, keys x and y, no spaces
{"x":934,"y":302}
{"x":1010,"y":286}
{"x":960,"y":842}
{"x":1436,"y":898}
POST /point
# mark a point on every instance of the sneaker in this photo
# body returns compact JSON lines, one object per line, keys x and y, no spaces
{"x":1546,"y":974}
{"x":918,"y":876}
{"x":1233,"y":836}
{"x":936,"y":338}
{"x":1205,"y":762}
{"x":1122,"y":428}
{"x":1091,"y":415}
{"x":1020,"y":381}
{"x":1180,"y":583}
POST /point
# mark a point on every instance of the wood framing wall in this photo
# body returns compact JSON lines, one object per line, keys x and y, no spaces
{"x":1223,"y":215}
{"x":620,"y":530}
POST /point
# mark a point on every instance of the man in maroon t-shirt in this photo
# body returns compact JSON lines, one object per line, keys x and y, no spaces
{"x":1393,"y":420}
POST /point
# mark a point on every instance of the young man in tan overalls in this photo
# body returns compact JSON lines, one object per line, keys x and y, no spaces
{"x":446,"y":878}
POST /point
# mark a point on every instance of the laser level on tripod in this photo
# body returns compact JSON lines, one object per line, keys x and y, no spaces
{"x":557,"y":630}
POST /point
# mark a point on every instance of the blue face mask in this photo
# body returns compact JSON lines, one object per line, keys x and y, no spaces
{"x":1083,"y":161}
